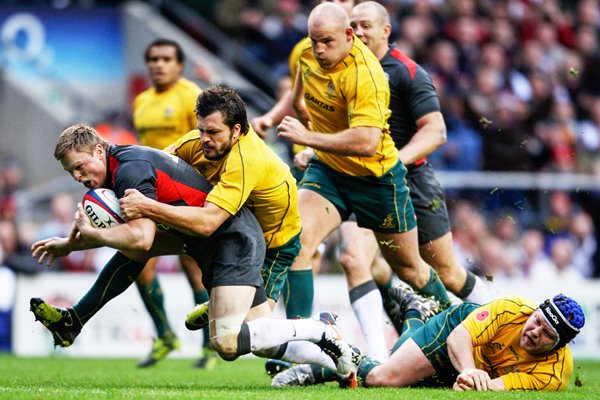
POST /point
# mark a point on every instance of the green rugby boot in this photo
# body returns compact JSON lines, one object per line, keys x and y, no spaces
{"x":61,"y":322}
{"x":197,"y":318}
{"x":161,"y":347}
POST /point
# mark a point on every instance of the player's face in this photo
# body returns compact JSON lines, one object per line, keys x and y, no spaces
{"x":163,"y":67}
{"x":537,"y":336}
{"x":87,"y":169}
{"x":368,"y":28}
{"x":217,"y":138}
{"x":330,"y":44}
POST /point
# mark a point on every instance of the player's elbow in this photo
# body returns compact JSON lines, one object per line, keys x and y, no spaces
{"x":368,"y":150}
{"x":141,"y":241}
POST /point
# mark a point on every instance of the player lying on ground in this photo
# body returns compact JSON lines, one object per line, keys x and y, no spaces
{"x":230,"y":251}
{"x":507,"y":344}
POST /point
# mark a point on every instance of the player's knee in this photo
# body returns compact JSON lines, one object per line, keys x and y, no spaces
{"x":226,"y":347}
{"x":226,"y":336}
{"x":351,"y":263}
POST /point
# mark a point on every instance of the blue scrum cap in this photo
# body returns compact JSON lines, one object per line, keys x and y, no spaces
{"x":565,"y":316}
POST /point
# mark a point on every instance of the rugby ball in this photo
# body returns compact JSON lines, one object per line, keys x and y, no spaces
{"x":102,"y":208}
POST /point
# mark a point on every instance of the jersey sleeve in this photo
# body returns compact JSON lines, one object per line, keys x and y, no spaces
{"x":137,"y":174}
{"x":186,"y":147}
{"x":423,"y":97}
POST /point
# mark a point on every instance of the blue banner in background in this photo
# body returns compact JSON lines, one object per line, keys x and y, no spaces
{"x":78,"y":48}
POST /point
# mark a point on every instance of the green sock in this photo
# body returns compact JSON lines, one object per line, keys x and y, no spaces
{"x":152,"y":296}
{"x":201,"y":296}
{"x":116,"y":276}
{"x":299,"y":294}
{"x":434,"y":287}
{"x":384,"y":289}
{"x":365,"y":366}
{"x":411,"y":323}
{"x":323,"y":375}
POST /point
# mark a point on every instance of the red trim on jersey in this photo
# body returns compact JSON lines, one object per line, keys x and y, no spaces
{"x":169,"y":190}
{"x":407,"y":61}
{"x":420,"y":162}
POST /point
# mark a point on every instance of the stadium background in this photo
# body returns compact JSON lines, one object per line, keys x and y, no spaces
{"x":520,"y":94}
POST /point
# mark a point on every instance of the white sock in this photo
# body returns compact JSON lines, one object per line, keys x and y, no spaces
{"x":368,"y":307}
{"x":480,"y":293}
{"x":303,"y":352}
{"x":266,"y":333}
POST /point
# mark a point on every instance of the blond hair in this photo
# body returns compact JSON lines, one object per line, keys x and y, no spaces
{"x":80,"y":138}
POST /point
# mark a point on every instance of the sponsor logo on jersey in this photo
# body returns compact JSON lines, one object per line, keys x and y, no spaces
{"x":319,"y":103}
{"x":330,"y":91}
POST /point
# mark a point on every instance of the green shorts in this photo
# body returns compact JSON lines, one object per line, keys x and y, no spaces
{"x":278,"y":261}
{"x":381,"y":204}
{"x":429,"y":202}
{"x":431,"y":339}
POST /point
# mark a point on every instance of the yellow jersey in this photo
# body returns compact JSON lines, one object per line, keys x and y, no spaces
{"x":162,"y":118}
{"x":252,"y":175}
{"x":496,"y":330}
{"x":351,"y":94}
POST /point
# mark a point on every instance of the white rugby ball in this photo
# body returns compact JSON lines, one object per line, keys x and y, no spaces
{"x":102,"y":208}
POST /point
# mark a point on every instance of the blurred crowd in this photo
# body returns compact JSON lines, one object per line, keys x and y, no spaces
{"x":518,"y":79}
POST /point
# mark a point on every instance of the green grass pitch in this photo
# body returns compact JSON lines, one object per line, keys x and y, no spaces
{"x":75,"y":378}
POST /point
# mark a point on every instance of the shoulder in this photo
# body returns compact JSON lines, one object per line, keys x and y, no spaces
{"x":515,"y":304}
{"x":190,"y":139}
{"x":186,"y":86}
{"x":144,"y":95}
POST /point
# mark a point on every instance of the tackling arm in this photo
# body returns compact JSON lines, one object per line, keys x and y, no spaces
{"x":196,"y":221}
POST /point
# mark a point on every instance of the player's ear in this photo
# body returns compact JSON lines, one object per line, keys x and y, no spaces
{"x":99,"y":150}
{"x":237,"y":131}
{"x":387,"y":30}
{"x":349,"y":34}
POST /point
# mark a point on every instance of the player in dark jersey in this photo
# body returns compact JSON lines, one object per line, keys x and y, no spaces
{"x":230,"y":253}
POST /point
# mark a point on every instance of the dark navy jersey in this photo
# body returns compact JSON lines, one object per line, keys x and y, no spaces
{"x":412,"y":94}
{"x":156,"y":174}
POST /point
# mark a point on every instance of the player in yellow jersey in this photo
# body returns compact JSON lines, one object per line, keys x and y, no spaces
{"x":507,"y":344}
{"x":244,"y":171}
{"x":364,"y":297}
{"x":165,"y":111}
{"x":356,"y":167}
{"x":162,"y":114}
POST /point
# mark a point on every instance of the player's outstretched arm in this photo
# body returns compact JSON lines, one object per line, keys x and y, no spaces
{"x":282,"y":108}
{"x":48,"y":250}
{"x":195,"y":221}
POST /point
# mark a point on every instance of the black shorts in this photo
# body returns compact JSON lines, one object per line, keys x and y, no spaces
{"x":233,"y":255}
{"x":429,"y":203}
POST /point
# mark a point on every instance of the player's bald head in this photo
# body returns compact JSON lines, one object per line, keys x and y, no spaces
{"x":328,"y":15}
{"x":377,"y":11}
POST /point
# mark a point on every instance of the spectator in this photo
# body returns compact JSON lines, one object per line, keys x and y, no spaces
{"x":582,"y":236}
{"x":560,"y":272}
